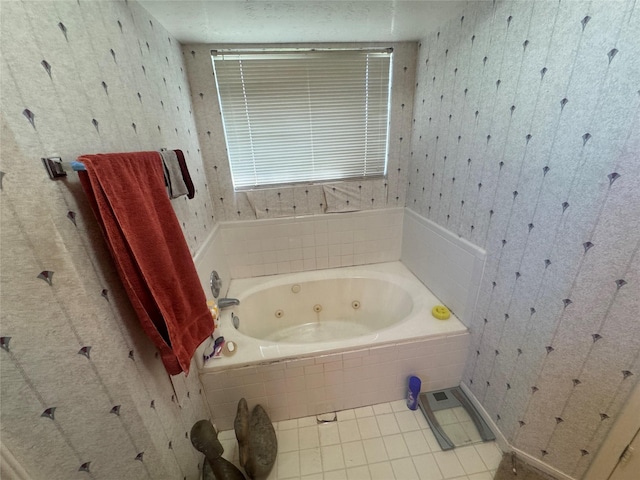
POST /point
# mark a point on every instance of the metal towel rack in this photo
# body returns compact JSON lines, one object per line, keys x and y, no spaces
{"x":56,"y":168}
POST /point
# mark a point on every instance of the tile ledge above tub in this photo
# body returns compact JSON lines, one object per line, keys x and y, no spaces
{"x":448,"y":265}
{"x":466,"y":245}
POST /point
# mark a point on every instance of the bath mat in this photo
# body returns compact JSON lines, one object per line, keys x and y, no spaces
{"x":524,"y":470}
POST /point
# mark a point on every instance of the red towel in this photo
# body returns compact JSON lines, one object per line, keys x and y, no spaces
{"x":128,"y":196}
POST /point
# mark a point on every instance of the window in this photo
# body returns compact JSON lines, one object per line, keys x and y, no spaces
{"x":303,"y":116}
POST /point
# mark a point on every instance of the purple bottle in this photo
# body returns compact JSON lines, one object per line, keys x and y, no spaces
{"x":413,"y":392}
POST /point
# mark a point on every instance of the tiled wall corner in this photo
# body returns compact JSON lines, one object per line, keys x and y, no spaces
{"x":272,"y":246}
{"x":298,"y":387}
{"x":448,"y":265}
{"x":211,"y":256}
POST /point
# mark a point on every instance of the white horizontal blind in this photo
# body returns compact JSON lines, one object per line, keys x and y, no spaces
{"x":304,"y":116}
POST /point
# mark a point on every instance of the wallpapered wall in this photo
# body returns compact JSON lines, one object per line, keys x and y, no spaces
{"x":303,"y":200}
{"x":526,"y":142}
{"x":83,"y":393}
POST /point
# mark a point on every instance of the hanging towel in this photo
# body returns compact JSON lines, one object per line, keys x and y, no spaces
{"x":173,"y":174}
{"x":186,"y":177}
{"x":128,"y":197}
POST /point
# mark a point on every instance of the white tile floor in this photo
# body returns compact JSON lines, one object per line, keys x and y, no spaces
{"x":381,"y":442}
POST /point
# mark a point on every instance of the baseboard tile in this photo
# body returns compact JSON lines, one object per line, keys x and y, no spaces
{"x":506,"y":447}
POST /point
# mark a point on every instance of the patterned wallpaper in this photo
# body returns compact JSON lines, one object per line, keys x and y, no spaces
{"x":525,"y":142}
{"x":309,"y":199}
{"x":84,"y":394}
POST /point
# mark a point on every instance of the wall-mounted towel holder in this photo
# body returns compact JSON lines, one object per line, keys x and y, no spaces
{"x":56,"y":167}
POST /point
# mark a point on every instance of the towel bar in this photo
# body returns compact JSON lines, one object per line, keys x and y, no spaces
{"x":56,"y":168}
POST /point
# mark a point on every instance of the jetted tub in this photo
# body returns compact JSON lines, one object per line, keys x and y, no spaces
{"x":323,"y":311}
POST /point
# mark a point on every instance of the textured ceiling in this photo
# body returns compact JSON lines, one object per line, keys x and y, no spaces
{"x":300,"y":21}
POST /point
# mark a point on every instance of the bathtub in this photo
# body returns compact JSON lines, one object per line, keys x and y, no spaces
{"x":324,"y":311}
{"x":324,"y":340}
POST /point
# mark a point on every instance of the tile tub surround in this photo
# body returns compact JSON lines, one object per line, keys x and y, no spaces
{"x":257,"y":248}
{"x":448,"y":265}
{"x":254,"y":248}
{"x":301,"y":386}
{"x":297,"y":387}
{"x":385,"y":441}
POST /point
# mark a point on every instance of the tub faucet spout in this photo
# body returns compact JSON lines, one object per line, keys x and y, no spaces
{"x":227,"y":302}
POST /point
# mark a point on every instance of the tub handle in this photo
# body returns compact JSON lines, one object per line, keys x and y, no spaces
{"x":216,"y":283}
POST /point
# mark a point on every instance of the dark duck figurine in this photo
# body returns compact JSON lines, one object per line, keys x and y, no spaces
{"x":256,"y":440}
{"x":204,"y":438}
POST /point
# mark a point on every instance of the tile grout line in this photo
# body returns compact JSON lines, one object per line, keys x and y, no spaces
{"x":367,"y":412}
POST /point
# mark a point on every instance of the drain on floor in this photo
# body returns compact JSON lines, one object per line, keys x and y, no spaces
{"x":327,"y":417}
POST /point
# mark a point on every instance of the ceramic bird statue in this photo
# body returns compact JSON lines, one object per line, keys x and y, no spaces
{"x":204,"y":438}
{"x":256,"y":440}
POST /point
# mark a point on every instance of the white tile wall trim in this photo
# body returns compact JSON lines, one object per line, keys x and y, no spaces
{"x":298,"y":387}
{"x":448,"y":265}
{"x":505,"y":446}
{"x":254,"y":248}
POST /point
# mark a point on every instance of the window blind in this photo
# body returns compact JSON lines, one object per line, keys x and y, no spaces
{"x":304,"y":116}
